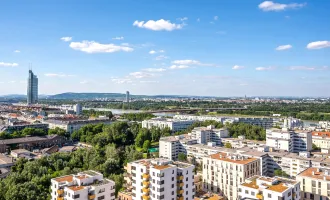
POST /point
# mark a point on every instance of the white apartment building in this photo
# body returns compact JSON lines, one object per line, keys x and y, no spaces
{"x":162,"y":179}
{"x":288,"y":140}
{"x":321,"y":139}
{"x":88,"y":185}
{"x":199,"y":118}
{"x":173,"y":124}
{"x":324,"y":124}
{"x":241,"y":142}
{"x":314,"y":183}
{"x":266,"y":188}
{"x":203,"y":135}
{"x":70,"y":125}
{"x":223,"y":173}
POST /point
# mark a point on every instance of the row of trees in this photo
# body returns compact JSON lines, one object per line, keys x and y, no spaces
{"x":32,"y":132}
{"x":137,"y":116}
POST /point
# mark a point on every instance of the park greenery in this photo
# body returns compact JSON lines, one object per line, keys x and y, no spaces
{"x":32,"y":132}
{"x":96,"y":113}
{"x":137,"y":116}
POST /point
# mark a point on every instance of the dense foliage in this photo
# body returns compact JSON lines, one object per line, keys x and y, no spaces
{"x":96,"y":113}
{"x":137,"y":116}
{"x":31,"y":132}
{"x":250,"y":132}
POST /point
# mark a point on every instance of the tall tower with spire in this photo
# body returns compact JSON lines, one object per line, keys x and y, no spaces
{"x":32,"y":88}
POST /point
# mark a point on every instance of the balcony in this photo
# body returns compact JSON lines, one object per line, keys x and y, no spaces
{"x":91,"y":197}
{"x":259,"y":196}
{"x":60,"y":191}
{"x":179,"y":198}
{"x":146,"y":183}
{"x":146,"y":176}
{"x":180,"y":184}
{"x":145,"y":197}
{"x":145,"y":190}
{"x":180,"y":192}
{"x":60,"y":198}
{"x":180,"y":178}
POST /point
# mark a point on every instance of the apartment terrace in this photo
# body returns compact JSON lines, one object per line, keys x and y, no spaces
{"x":316,"y":173}
{"x":238,"y":159}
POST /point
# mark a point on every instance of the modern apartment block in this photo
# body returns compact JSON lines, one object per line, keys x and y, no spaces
{"x":203,"y":135}
{"x":315,"y":183}
{"x":162,"y":179}
{"x":289,"y":140}
{"x":173,"y":124}
{"x":241,"y":142}
{"x":321,"y":139}
{"x":32,"y":88}
{"x":88,"y":185}
{"x":266,"y":188}
{"x":223,"y":173}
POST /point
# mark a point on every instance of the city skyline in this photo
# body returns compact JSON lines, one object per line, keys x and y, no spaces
{"x":209,"y":48}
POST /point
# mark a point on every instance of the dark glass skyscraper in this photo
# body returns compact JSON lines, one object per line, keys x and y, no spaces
{"x":32,"y":88}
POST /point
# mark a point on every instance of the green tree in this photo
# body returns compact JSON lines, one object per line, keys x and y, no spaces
{"x":281,"y":173}
{"x":182,"y":157}
{"x":228,"y":145}
{"x":315,"y":148}
{"x":146,"y":145}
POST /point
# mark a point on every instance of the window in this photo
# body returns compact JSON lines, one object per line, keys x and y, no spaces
{"x":100,"y":198}
{"x":101,"y":190}
{"x":172,"y":192}
{"x":172,"y":185}
{"x":76,"y":196}
{"x":186,"y":185}
{"x":246,"y":191}
{"x":269,"y":195}
{"x":172,"y":178}
{"x":253,"y":193}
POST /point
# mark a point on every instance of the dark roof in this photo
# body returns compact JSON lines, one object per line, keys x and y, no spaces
{"x":28,"y":139}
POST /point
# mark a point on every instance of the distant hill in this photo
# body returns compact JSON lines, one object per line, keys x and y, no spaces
{"x":71,"y":95}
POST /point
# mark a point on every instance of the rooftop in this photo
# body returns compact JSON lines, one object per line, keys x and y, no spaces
{"x":28,"y":139}
{"x":321,"y":134}
{"x":20,"y":151}
{"x":5,"y":160}
{"x":76,"y":188}
{"x":275,"y":184}
{"x":316,"y":173}
{"x":238,"y":159}
{"x":68,"y":178}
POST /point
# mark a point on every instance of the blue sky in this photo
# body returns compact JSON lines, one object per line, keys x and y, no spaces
{"x":200,"y":47}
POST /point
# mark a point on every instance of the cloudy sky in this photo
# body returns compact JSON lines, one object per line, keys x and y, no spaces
{"x":199,"y":47}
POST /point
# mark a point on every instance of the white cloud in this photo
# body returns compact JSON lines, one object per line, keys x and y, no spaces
{"x":125,"y":44}
{"x":236,"y":67}
{"x":179,"y":66}
{"x":154,"y":69}
{"x":183,"y":19}
{"x":3,"y":64}
{"x":318,"y":45}
{"x":161,"y":51}
{"x":118,"y":38}
{"x":186,"y":62}
{"x":283,"y":47}
{"x":216,"y":18}
{"x":66,"y":39}
{"x":141,"y":75}
{"x":121,"y":80}
{"x":264,"y":68}
{"x":17,"y":51}
{"x":161,"y":57}
{"x":95,"y":47}
{"x":58,"y":75}
{"x":152,"y":52}
{"x":272,"y":6}
{"x":308,"y":68}
{"x":159,"y":25}
{"x":149,"y":81}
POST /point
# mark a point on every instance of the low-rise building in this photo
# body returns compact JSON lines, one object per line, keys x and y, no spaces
{"x":71,"y":125}
{"x":173,"y":124}
{"x":223,"y":173}
{"x":266,"y":188}
{"x":162,"y":179}
{"x":321,"y":139}
{"x":315,"y":183}
{"x":82,"y":186}
{"x":19,"y":126}
{"x":17,"y":153}
{"x":6,"y":161}
{"x":203,"y":135}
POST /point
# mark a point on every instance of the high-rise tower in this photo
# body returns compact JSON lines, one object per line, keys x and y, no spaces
{"x":127,"y":96}
{"x":32,"y":88}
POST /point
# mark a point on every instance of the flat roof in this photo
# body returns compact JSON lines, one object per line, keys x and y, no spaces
{"x":27,"y":139}
{"x":160,"y":167}
{"x":275,"y":184}
{"x":226,"y":158}
{"x":68,"y":178}
{"x":317,"y":174}
{"x":5,"y":159}
{"x":20,"y":151}
{"x":76,"y":188}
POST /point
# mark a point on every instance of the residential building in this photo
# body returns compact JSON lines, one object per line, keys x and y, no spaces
{"x":71,"y":125}
{"x":162,"y":179}
{"x":32,"y":89}
{"x":314,"y":183}
{"x":6,"y":161}
{"x":199,"y":118}
{"x":15,"y":126}
{"x":241,"y":142}
{"x":223,"y":173}
{"x":173,"y":124}
{"x":203,"y":135}
{"x":289,"y":140}
{"x":82,"y":186}
{"x":17,"y":153}
{"x":77,"y":109}
{"x":266,"y":188}
{"x":171,"y":146}
{"x":321,"y":139}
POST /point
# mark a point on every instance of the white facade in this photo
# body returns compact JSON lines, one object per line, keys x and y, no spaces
{"x":162,"y":179}
{"x":173,"y":124}
{"x":203,"y":135}
{"x":223,"y":173}
{"x":259,"y":187}
{"x":321,"y":139}
{"x":83,"y":186}
{"x":77,"y":109}
{"x":289,"y":140}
